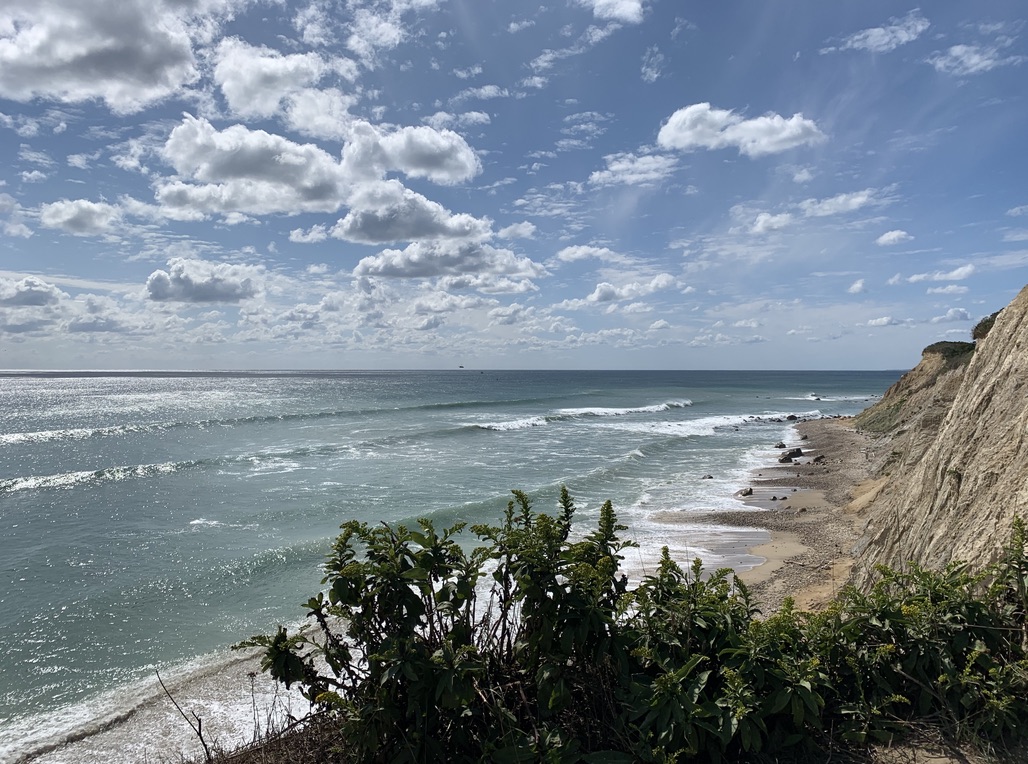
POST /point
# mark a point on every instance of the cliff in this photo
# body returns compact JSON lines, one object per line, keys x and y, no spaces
{"x":952,"y":440}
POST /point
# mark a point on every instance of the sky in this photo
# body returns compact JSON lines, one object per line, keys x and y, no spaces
{"x":594,"y":184}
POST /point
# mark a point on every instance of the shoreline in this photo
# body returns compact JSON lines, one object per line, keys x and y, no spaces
{"x":801,"y":509}
{"x":810,"y":510}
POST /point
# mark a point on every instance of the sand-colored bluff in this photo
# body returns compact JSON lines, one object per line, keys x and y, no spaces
{"x":952,"y":439}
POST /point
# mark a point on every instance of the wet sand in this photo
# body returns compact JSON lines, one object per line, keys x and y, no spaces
{"x":811,"y":511}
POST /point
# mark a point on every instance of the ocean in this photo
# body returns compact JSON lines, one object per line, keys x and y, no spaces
{"x":150,"y":520}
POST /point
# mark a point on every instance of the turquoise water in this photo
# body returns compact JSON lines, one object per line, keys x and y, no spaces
{"x":148,"y":521}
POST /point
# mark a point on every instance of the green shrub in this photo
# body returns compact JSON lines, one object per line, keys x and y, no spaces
{"x":983,"y":327}
{"x":561,"y":661}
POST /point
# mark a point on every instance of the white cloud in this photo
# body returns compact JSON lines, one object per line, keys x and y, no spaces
{"x":321,"y":113}
{"x":953,"y":314}
{"x":128,"y":54}
{"x":802,"y":175}
{"x":200,"y":281}
{"x":441,"y":156}
{"x":97,"y":314}
{"x":659,"y":324}
{"x":469,"y":73}
{"x":433,"y":259}
{"x":29,"y":292}
{"x":33,"y":176}
{"x":883,"y":39}
{"x":701,"y":126}
{"x":628,"y":11}
{"x":605,"y":292}
{"x":79,"y":217}
{"x":766,"y":222}
{"x":523,"y":230}
{"x":964,"y":60}
{"x":629,"y":169}
{"x":948,"y":289}
{"x":82,"y":161}
{"x":483,"y":93}
{"x":585,"y":252}
{"x":441,"y":119}
{"x":518,"y":26}
{"x":884,"y":321}
{"x":247,"y":171}
{"x":255,"y":79}
{"x":536,"y":82}
{"x":314,"y":23}
{"x":316,"y":234}
{"x":371,"y":32}
{"x":957,"y":274}
{"x":385,"y":211}
{"x":857,"y":287}
{"x":17,"y":229}
{"x":889,"y":238}
{"x":1018,"y":211}
{"x":652,"y":63}
{"x":841,"y":203}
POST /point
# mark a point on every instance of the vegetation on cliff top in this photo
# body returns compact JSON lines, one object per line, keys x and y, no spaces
{"x":900,"y":401}
{"x":565,"y":662}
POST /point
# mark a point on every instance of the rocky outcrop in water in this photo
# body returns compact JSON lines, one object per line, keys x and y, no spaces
{"x":952,"y":437}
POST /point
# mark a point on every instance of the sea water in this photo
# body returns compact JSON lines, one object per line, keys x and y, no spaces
{"x":150,"y":520}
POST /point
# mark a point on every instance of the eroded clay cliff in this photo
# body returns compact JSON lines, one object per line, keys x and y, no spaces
{"x":955,"y":449}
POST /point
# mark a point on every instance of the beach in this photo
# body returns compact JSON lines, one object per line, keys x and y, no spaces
{"x":812,"y":511}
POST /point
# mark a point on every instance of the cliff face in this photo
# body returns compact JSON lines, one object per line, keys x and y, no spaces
{"x":956,"y":453}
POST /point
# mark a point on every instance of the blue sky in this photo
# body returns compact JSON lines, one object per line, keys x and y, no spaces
{"x":235,"y":184}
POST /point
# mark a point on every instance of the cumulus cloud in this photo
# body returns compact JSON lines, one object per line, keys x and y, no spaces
{"x":899,"y":31}
{"x":702,"y":126}
{"x":442,"y":119}
{"x":432,"y":259}
{"x":1018,"y":211}
{"x":200,"y":281}
{"x":97,"y":314}
{"x":373,"y":31}
{"x":893,"y":237}
{"x":386,"y":211}
{"x":523,"y":230}
{"x":255,"y":79}
{"x":508,"y":315}
{"x":441,"y":156}
{"x":628,"y":11}
{"x":605,"y":292}
{"x":953,"y":314}
{"x":631,"y":170}
{"x":948,"y":289}
{"x":29,"y":292}
{"x":322,"y":113}
{"x":247,"y":171}
{"x":767,"y":222}
{"x":128,"y":54}
{"x":884,"y":321}
{"x":857,"y":287}
{"x":841,"y":203}
{"x":957,"y":274}
{"x":316,"y":234}
{"x":79,"y":217}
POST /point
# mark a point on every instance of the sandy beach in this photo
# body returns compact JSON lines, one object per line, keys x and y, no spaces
{"x":811,"y":509}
